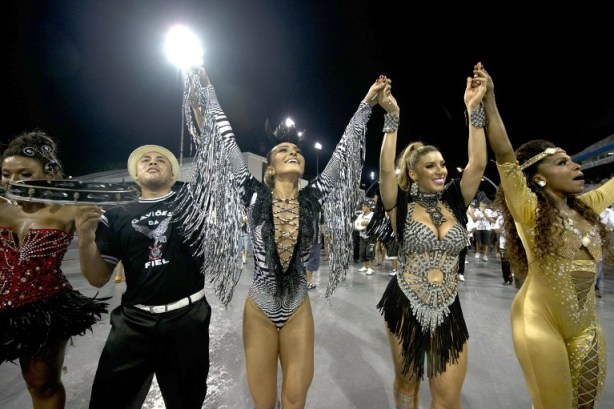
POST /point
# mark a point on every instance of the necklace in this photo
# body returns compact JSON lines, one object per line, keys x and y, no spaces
{"x":282,"y":199}
{"x":430,"y":203}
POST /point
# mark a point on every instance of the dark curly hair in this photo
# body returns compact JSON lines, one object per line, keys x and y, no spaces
{"x":36,"y":145}
{"x":549,"y":216}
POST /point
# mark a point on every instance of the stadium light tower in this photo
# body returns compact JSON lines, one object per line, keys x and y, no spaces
{"x":184,"y":50}
{"x":318,"y":147}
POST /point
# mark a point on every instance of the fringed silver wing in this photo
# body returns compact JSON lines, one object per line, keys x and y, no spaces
{"x":209,"y":206}
{"x":343,"y":173}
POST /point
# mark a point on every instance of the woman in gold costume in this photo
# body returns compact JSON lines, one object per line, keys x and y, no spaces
{"x":554,"y":241}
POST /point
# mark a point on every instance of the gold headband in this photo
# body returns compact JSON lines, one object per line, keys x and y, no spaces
{"x":540,"y":156}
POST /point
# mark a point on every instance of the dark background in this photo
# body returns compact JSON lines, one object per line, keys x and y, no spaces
{"x":93,"y":73}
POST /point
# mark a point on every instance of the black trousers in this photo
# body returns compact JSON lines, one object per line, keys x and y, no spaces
{"x":356,"y":244}
{"x":506,"y":271}
{"x":461,"y":260}
{"x":367,"y":248}
{"x":173,"y":345}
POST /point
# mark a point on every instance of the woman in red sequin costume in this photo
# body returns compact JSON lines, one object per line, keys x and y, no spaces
{"x":39,"y":310}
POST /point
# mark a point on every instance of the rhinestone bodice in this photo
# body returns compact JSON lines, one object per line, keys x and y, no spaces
{"x":30,"y":271}
{"x":423,"y":254}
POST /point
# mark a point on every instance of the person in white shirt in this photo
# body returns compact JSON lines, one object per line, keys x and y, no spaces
{"x":367,"y":244}
{"x":499,"y":228}
{"x":483,"y":218}
{"x":607,"y":218}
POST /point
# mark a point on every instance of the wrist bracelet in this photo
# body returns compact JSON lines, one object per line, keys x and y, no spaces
{"x":478,"y":116}
{"x":391,"y":123}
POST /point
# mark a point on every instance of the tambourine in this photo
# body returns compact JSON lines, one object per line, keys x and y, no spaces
{"x":69,"y":191}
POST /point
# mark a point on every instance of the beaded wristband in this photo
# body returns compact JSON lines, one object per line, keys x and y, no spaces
{"x":391,"y":123}
{"x":478,"y":117}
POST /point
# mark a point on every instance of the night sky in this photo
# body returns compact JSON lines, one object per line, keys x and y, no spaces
{"x":94,"y":75}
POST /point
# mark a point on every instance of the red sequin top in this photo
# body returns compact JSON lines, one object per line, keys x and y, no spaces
{"x":31,"y":272}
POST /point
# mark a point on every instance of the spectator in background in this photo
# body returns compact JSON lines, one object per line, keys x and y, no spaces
{"x":462,"y":257}
{"x":499,"y":228}
{"x":356,"y":235}
{"x":315,"y":253}
{"x":392,"y":254}
{"x":483,"y":218}
{"x":367,"y":243}
{"x":607,"y":218}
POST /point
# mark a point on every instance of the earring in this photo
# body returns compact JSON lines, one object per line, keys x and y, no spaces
{"x":541,"y":183}
{"x":413,"y":189}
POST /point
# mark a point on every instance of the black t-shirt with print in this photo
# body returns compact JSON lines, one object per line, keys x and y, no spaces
{"x":158,"y":264}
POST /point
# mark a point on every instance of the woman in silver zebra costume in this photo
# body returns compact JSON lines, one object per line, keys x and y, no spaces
{"x":421,"y":308}
{"x":277,"y":320}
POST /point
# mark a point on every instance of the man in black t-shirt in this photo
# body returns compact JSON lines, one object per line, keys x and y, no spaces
{"x":162,"y":324}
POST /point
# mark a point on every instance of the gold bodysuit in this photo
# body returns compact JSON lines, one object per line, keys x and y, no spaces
{"x":558,"y":341}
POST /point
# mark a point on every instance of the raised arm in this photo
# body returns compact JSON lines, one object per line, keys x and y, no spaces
{"x":497,"y":135}
{"x":212,"y":125}
{"x":93,"y":267}
{"x":197,"y":81}
{"x":476,"y":146}
{"x":339,"y":185}
{"x":387,"y":166}
{"x":351,"y":148}
{"x":220,"y":186}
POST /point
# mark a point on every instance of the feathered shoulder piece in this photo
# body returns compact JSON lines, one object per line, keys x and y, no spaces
{"x":286,"y":131}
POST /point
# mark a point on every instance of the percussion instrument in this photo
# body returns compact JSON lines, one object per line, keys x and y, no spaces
{"x":71,"y":191}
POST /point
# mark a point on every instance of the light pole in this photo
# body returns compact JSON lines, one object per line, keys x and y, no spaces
{"x":373,"y":183}
{"x":184,"y":50}
{"x":491,"y":182}
{"x":318,"y":147}
{"x":484,"y":178}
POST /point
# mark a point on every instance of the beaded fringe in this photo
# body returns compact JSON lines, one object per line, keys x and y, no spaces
{"x":208,"y":207}
{"x":439,"y":347}
{"x":339,"y":208}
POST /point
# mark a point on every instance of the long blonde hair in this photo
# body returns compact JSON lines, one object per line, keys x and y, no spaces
{"x":409,"y":159}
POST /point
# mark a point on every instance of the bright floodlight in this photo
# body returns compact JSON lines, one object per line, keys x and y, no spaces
{"x":318,"y":145}
{"x":183,"y":48}
{"x":289,"y":122}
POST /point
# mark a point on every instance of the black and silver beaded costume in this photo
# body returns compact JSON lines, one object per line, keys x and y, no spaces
{"x":225,"y":184}
{"x":427,"y":316}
